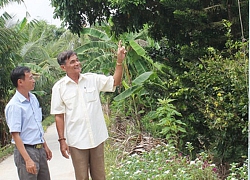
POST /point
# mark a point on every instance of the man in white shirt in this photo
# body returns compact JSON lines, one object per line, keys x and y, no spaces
{"x":78,"y":114}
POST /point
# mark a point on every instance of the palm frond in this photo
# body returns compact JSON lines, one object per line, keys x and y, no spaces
{"x":6,"y":2}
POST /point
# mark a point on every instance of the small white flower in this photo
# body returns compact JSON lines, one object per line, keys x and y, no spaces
{"x":133,"y":155}
{"x":166,"y":172}
{"x":158,"y":145}
{"x":192,"y":162}
{"x":137,"y":172}
{"x":199,"y":162}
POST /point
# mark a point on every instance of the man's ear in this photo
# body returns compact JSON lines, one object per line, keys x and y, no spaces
{"x":63,"y":67}
{"x":19,"y":82}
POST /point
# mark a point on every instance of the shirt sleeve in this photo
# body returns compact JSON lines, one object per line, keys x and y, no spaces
{"x":57,"y":105}
{"x":105,"y":83}
{"x":13,"y":116}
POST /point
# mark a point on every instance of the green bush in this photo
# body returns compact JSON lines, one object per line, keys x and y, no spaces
{"x":238,"y":171}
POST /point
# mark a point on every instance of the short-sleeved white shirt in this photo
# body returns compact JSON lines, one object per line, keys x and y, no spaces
{"x":84,"y":124}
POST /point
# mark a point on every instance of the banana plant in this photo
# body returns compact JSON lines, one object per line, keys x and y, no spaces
{"x":98,"y":54}
{"x":41,"y":43}
{"x":134,"y":93}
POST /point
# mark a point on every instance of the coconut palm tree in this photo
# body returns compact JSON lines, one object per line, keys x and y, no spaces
{"x":9,"y":45}
{"x":6,"y":2}
{"x":40,"y":46}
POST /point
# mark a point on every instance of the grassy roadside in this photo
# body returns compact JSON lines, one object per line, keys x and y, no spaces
{"x":8,"y":150}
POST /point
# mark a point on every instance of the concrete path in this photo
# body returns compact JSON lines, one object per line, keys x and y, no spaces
{"x":60,"y":167}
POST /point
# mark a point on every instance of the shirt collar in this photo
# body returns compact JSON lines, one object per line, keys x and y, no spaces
{"x":21,"y":97}
{"x":68,"y":79}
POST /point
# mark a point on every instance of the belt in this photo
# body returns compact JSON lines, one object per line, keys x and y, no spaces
{"x":36,"y":146}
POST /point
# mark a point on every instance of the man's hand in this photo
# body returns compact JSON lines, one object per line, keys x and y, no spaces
{"x":121,"y":52}
{"x":48,"y":151}
{"x":64,"y":149}
{"x":31,"y":166}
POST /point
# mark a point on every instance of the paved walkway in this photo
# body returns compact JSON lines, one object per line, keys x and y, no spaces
{"x":60,"y":167}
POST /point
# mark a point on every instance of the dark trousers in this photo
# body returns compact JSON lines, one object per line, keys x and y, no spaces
{"x":39,"y":157}
{"x":88,"y":161}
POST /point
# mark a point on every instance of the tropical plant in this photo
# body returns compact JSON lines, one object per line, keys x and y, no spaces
{"x":170,"y":126}
{"x":9,"y":45}
{"x":6,"y":2}
{"x":97,"y":55}
{"x":162,"y":122}
{"x":38,"y":45}
{"x":134,"y":93}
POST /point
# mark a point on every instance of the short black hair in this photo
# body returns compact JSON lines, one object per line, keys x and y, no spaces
{"x":62,"y":57}
{"x":18,"y":73}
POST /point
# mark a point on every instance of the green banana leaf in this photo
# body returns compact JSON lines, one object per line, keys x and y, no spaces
{"x":137,"y":86}
{"x":95,"y":33}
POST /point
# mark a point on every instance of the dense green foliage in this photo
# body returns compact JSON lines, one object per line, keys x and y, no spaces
{"x":210,"y":95}
{"x":182,"y":22}
{"x":221,"y":91}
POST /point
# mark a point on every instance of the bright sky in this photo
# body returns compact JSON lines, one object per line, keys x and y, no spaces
{"x":38,"y":9}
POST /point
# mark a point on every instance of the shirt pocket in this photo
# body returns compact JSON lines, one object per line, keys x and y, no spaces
{"x":34,"y":114}
{"x":90,"y":94}
{"x":39,"y":115}
{"x":69,"y":100}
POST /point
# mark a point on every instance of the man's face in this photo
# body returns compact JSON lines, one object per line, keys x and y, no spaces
{"x":72,"y":65}
{"x":28,"y":82}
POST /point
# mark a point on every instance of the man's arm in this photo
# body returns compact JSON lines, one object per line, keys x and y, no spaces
{"x":47,"y":150}
{"x":121,"y":53}
{"x":30,"y":164}
{"x":59,"y":118}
